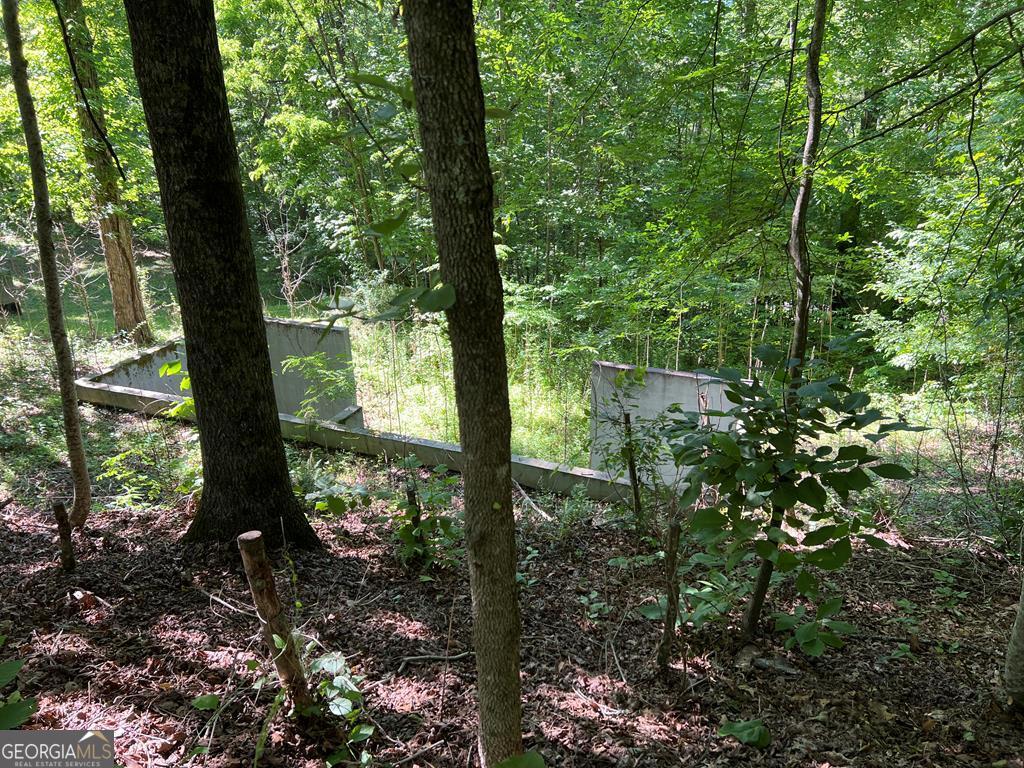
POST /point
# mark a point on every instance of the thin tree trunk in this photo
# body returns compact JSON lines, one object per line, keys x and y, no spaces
{"x":245,"y":476}
{"x":115,"y":228}
{"x":800,"y":257}
{"x":797,"y":246}
{"x":752,"y":615}
{"x":450,"y":106}
{"x":1014,"y":672}
{"x":48,"y":267}
{"x":668,"y":630}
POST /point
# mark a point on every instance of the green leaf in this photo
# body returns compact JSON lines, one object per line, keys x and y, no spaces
{"x":784,"y":496}
{"x":170,"y":369}
{"x":365,"y":78}
{"x":9,"y":670}
{"x":833,"y":558}
{"x":409,"y":167}
{"x":437,"y":299}
{"x":814,"y":648}
{"x":15,"y":713}
{"x":387,"y":227}
{"x":527,"y":760}
{"x":873,"y":541}
{"x":704,"y":519}
{"x":825,"y":533}
{"x":892,"y":471}
{"x":810,"y":492}
{"x":360,"y":733}
{"x":207,"y":702}
{"x":805,"y":633}
{"x":750,"y":732}
{"x":653,"y":611}
{"x":807,"y":583}
{"x":829,"y":608}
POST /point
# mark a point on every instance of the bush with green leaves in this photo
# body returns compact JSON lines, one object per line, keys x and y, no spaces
{"x":428,"y":531}
{"x":776,"y":476}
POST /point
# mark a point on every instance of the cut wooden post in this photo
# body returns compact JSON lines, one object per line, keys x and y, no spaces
{"x":67,"y":548}
{"x":277,"y":629}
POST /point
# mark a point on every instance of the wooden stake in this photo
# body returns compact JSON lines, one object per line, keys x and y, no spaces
{"x":67,"y":548}
{"x":277,"y":629}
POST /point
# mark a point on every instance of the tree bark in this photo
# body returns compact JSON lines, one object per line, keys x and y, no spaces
{"x":1014,"y":671}
{"x":67,"y":546}
{"x":668,"y":627}
{"x":797,"y":246}
{"x":48,"y":267}
{"x":115,"y":228}
{"x":450,"y":107}
{"x":245,"y":476}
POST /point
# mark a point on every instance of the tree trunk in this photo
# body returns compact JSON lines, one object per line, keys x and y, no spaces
{"x":115,"y":228}
{"x":48,"y":267}
{"x":1014,"y":672}
{"x":450,"y":107}
{"x":668,"y":627}
{"x":245,"y":476}
{"x":797,"y":246}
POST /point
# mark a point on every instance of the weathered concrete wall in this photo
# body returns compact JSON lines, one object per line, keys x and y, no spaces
{"x":334,"y":402}
{"x":646,"y":401}
{"x":532,"y":473}
{"x":285,"y":339}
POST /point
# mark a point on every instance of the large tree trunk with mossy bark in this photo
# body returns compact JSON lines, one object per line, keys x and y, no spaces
{"x":115,"y":228}
{"x":245,"y":476}
{"x":48,"y":267}
{"x":1014,"y":672}
{"x":450,"y":107}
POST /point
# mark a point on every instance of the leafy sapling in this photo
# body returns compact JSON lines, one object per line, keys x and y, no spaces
{"x":772,"y":474}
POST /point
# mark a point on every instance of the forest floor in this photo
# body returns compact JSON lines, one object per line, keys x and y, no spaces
{"x":145,"y":625}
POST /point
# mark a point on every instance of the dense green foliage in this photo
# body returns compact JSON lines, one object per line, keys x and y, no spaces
{"x":643,"y":154}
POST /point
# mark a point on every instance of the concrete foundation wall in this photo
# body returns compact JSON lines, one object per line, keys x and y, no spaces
{"x":528,"y":472}
{"x":646,"y":401}
{"x":136,"y":385}
{"x":336,"y":400}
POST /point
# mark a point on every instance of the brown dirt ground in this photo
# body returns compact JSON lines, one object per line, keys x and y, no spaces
{"x":145,"y":625}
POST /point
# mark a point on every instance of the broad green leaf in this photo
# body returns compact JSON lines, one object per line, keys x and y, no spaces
{"x":437,"y":299}
{"x":810,"y":492}
{"x":750,"y":732}
{"x":807,"y":583}
{"x":825,"y":533}
{"x":9,"y":670}
{"x":206,"y":702}
{"x":829,"y":608}
{"x":15,"y":713}
{"x":892,"y":471}
{"x":704,"y":519}
{"x":365,"y":78}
